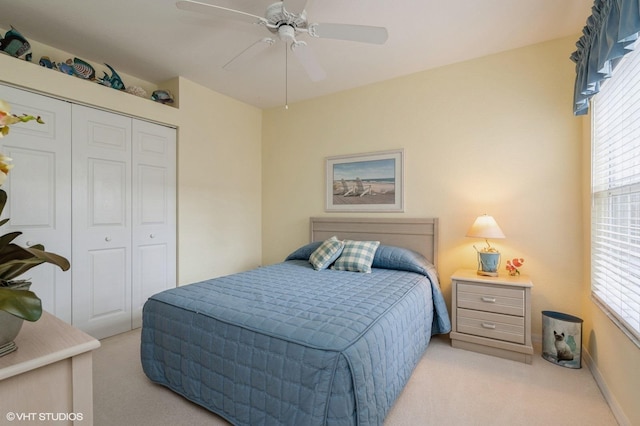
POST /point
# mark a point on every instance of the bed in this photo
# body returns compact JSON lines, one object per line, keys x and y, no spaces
{"x":287,"y":344}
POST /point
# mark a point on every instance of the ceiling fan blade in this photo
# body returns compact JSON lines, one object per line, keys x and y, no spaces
{"x":243,"y":57}
{"x":308,"y":60}
{"x":295,"y":6}
{"x":361,"y":33}
{"x":219,"y":11}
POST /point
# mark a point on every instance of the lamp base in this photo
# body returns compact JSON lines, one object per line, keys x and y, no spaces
{"x":487,"y":274}
{"x":488,"y":263}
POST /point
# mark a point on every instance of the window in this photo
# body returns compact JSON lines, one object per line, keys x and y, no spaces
{"x":615,"y":197}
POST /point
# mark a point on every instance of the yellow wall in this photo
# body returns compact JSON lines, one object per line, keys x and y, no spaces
{"x":219,"y":171}
{"x":494,"y":135}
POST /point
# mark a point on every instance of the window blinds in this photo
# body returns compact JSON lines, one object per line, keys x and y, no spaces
{"x":615,"y":210}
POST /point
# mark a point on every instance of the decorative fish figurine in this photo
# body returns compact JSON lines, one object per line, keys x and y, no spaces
{"x":83,"y":70}
{"x":14,"y":44}
{"x":66,"y":68}
{"x":46,"y":62}
{"x":162,"y":96}
{"x":114,"y":81}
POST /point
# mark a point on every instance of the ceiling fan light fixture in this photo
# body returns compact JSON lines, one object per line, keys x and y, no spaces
{"x":287,"y":33}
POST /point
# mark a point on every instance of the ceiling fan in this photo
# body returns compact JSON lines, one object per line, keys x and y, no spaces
{"x":287,"y":19}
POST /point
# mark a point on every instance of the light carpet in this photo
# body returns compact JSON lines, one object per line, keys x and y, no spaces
{"x":448,"y":387}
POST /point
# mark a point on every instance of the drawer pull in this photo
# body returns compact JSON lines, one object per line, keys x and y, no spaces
{"x":489,"y":325}
{"x":488,"y":299}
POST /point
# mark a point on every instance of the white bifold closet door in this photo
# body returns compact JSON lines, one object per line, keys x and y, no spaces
{"x":102,"y":224}
{"x":124,"y":218}
{"x":39,"y":190}
{"x":154,"y":213}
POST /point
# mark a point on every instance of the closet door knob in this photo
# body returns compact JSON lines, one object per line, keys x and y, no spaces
{"x":29,"y":243}
{"x":107,"y":239}
{"x":152,"y":235}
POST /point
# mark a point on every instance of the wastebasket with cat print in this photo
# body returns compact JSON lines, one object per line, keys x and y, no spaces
{"x":562,"y":339}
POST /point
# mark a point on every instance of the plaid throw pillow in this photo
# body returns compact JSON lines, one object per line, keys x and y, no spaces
{"x":326,"y":254}
{"x":357,"y":256}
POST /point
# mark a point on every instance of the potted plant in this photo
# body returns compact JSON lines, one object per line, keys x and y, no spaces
{"x":17,"y":302}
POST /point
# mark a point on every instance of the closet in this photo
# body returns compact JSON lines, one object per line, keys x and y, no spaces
{"x":100,"y":189}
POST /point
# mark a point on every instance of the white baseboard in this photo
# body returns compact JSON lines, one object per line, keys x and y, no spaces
{"x":621,"y":418}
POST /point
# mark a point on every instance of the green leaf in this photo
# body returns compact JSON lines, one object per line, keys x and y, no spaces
{"x":7,"y":238}
{"x":16,"y":260}
{"x":48,"y":257}
{"x":21,"y":303}
{"x":13,"y":252}
{"x":3,"y":199}
{"x":14,"y":268}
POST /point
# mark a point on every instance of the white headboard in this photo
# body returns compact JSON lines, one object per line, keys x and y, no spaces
{"x":420,"y":234}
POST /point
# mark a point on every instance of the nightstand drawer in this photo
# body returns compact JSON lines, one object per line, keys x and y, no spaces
{"x":493,"y":326}
{"x":500,"y":300}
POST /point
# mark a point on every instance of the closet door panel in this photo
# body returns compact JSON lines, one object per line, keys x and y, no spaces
{"x":154,"y":212}
{"x":101,"y":221}
{"x":39,"y":190}
{"x":107,"y":272}
{"x":107,"y":192}
{"x":34,"y":176}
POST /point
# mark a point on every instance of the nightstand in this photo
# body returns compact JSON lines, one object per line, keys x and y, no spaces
{"x":492,"y":315}
{"x":51,"y":372}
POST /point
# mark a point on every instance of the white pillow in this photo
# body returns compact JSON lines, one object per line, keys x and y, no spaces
{"x":357,"y":256}
{"x":326,"y":253}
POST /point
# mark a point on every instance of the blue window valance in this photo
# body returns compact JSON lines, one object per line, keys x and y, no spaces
{"x":608,"y":35}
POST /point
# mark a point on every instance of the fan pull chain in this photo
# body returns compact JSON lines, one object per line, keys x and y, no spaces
{"x":286,"y":76}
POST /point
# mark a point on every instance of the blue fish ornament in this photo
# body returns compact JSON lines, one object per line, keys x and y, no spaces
{"x":162,"y":96}
{"x":65,"y":68}
{"x":45,"y":61}
{"x":114,"y":81}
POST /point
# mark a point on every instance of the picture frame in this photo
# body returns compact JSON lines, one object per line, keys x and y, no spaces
{"x":369,"y":182}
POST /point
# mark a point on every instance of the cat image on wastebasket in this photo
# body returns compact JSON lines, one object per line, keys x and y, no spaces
{"x":561,"y":339}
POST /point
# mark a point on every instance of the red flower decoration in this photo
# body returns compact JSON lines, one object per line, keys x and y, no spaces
{"x":513,"y":265}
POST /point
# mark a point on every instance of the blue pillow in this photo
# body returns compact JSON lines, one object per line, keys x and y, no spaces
{"x":304,"y":252}
{"x":390,"y":257}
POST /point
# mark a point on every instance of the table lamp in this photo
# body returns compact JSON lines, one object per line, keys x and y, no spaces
{"x":486,"y":227}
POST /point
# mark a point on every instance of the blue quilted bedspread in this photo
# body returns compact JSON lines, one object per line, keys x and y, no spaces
{"x":285,"y":344}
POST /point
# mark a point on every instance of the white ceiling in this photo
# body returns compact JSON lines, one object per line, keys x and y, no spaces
{"x":155,"y":41}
